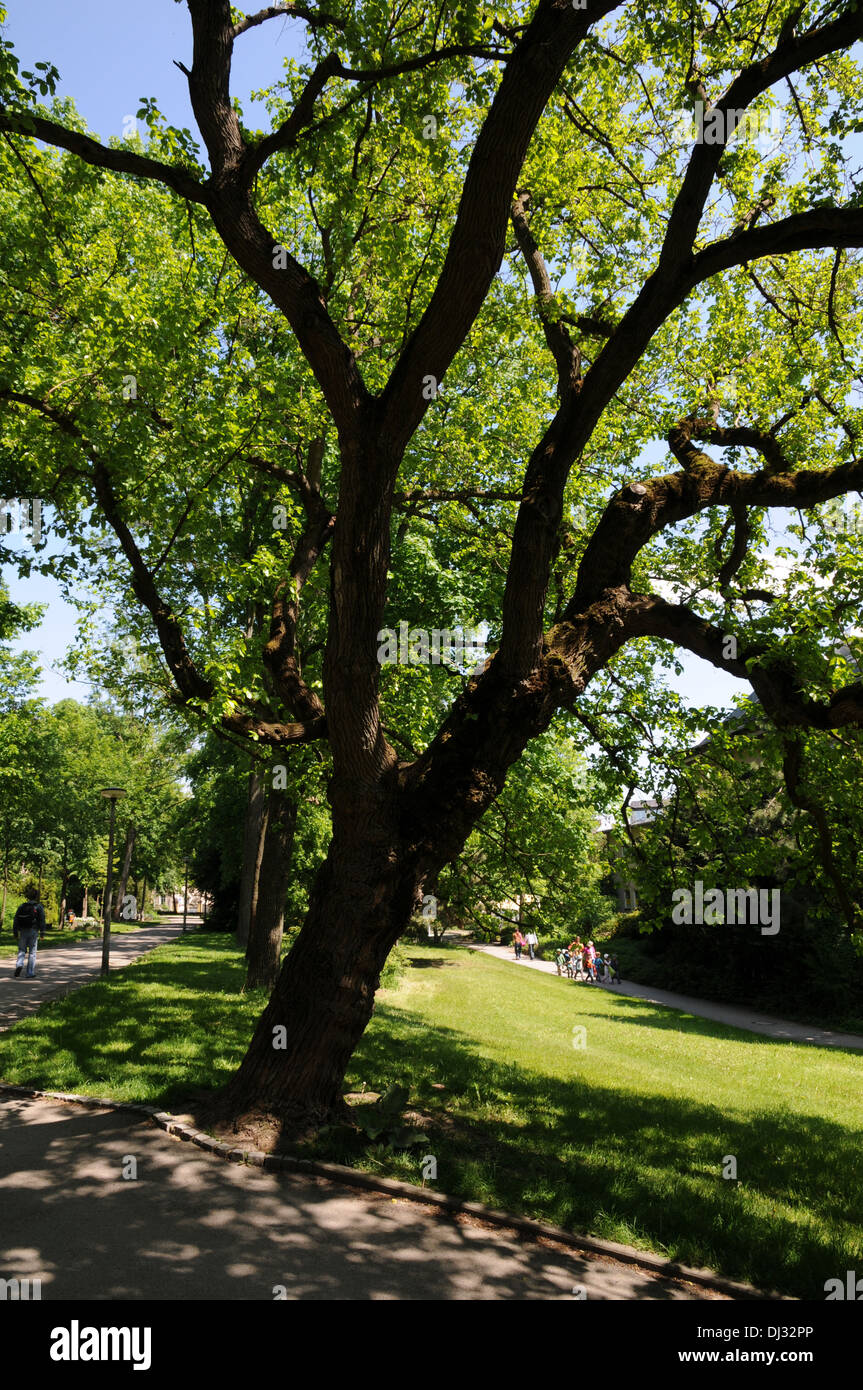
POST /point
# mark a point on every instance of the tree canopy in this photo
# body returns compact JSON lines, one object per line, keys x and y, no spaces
{"x":507,"y":337}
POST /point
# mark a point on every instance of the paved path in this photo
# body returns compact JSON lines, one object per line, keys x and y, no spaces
{"x":735,"y":1016}
{"x":193,"y":1227}
{"x":64,"y":968}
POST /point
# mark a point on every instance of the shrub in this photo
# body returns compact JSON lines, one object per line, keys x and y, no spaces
{"x":394,"y":967}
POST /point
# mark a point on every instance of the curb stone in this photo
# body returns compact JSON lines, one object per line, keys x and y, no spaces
{"x":355,"y":1177}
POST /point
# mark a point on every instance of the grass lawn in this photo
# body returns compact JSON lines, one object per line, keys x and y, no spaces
{"x":624,"y":1137}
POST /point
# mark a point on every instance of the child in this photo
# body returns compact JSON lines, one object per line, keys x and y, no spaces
{"x":590,"y":961}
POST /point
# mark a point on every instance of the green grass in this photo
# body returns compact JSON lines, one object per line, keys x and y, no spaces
{"x":624,"y":1138}
{"x":173,"y":1020}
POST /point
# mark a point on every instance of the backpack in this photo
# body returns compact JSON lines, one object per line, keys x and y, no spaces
{"x":27,"y":916}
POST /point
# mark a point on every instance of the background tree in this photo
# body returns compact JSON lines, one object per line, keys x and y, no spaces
{"x":22,"y":781}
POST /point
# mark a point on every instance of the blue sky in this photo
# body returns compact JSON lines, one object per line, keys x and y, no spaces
{"x":109,"y":56}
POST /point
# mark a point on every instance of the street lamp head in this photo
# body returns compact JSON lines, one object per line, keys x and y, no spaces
{"x":113,"y":793}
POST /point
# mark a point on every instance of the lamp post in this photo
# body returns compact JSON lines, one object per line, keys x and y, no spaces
{"x":113,"y":795}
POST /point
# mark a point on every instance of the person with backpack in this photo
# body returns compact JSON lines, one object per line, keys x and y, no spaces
{"x":28,"y":925}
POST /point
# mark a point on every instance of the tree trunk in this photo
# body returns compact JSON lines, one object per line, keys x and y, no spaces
{"x":265,"y":937}
{"x":128,"y":847}
{"x":361,"y":901}
{"x":388,"y":846}
{"x":393,"y":829}
{"x":251,"y":845}
{"x":5,"y":887}
{"x":62,"y":914}
{"x":143,"y":902}
{"x":318,"y":1011}
{"x":85,"y":906}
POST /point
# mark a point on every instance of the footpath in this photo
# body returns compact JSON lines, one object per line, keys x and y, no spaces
{"x":184,"y":1225}
{"x":64,"y":968}
{"x":736,"y":1017}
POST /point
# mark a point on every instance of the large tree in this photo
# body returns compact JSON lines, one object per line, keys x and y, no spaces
{"x":701,"y":295}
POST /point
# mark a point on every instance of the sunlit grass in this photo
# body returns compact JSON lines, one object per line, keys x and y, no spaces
{"x":626,"y":1137}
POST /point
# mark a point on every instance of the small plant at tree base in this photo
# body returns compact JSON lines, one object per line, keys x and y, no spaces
{"x":383,"y":1121}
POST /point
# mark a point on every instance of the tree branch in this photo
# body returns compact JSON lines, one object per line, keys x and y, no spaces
{"x":566,"y":355}
{"x":478,"y":238}
{"x":774,"y":680}
{"x":280,"y":653}
{"x":316,"y":19}
{"x":119,"y":161}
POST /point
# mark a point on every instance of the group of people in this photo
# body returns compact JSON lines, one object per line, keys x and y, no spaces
{"x":576,"y":960}
{"x":582,"y":962}
{"x":519,"y":941}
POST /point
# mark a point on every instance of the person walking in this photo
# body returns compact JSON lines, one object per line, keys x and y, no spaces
{"x":28,"y":925}
{"x":615,"y":971}
{"x":532,"y":943}
{"x":518,"y":942}
{"x":590,"y":961}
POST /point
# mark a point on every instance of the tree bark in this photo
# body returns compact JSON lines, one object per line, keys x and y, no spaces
{"x":5,"y":889}
{"x":143,"y":903}
{"x":251,"y":845}
{"x":265,"y":938}
{"x":128,"y":847}
{"x":62,"y":913}
{"x":322,"y":1000}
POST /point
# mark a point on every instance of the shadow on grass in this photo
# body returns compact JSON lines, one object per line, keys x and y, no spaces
{"x":151,"y":1031}
{"x":642,"y":1168}
{"x":426,"y":963}
{"x":645,"y":1168}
